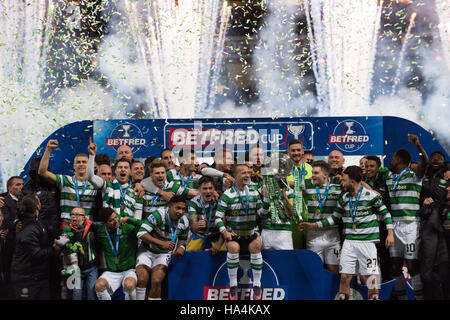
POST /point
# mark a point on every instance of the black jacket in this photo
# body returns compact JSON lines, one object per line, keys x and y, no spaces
{"x":10,"y":208}
{"x":31,"y":259}
{"x":50,"y":212}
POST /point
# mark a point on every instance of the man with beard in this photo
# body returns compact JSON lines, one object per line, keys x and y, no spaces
{"x":296,"y":180}
{"x":357,"y":208}
{"x":202,"y":211}
{"x":374,"y":177}
{"x":163,"y":234}
{"x":241,"y":206}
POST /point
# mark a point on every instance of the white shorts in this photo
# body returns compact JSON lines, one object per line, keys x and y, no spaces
{"x":117,"y":279}
{"x":326,"y":244}
{"x":406,"y":240}
{"x":358,"y":257}
{"x":276,"y":240}
{"x":150,"y":259}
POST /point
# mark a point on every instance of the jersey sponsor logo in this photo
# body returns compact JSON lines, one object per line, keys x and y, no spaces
{"x":235,"y":213}
{"x":126,"y":133}
{"x":399,"y":187}
{"x":271,"y":289}
{"x":349,"y":136}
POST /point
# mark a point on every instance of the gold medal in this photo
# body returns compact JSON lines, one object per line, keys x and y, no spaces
{"x":318,"y":211}
{"x":354,"y":227}
{"x":116,"y":261}
{"x":122,"y":206}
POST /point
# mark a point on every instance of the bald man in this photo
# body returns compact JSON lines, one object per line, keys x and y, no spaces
{"x":124,"y":151}
{"x":336,"y":161}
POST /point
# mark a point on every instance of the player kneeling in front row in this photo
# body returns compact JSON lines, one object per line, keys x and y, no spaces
{"x":163,"y":234}
{"x":118,"y":239}
{"x":357,"y":208}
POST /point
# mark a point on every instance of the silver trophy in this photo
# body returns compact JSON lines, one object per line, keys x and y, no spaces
{"x":296,"y":130}
{"x":349,"y":125}
{"x":274,"y":171}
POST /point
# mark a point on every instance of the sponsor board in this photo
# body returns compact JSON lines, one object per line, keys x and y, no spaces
{"x":271,"y":289}
{"x":349,"y":136}
{"x":238,"y":136}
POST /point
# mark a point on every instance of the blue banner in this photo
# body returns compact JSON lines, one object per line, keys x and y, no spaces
{"x":352,"y":136}
{"x":148,"y":137}
{"x":286,"y":275}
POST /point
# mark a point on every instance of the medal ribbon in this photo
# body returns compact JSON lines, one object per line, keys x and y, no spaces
{"x":397,"y":178}
{"x":211,"y":208}
{"x":354,"y":208}
{"x":156,"y":196}
{"x":325,"y":195}
{"x":76,"y":189}
{"x":184,"y":182}
{"x":246,"y":205}
{"x":173,"y":231}
{"x":114,"y":249}
{"x":123,"y":191}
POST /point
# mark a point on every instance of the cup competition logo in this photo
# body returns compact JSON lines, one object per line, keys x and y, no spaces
{"x":349,"y":136}
{"x":126,"y":134}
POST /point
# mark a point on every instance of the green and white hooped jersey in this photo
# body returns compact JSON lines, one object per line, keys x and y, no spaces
{"x":68,"y":201}
{"x":157,"y":225}
{"x":133,"y":206}
{"x":192,"y":181}
{"x":113,"y":192}
{"x":232,"y":207}
{"x":404,"y":196}
{"x":195,"y":208}
{"x":152,"y":201}
{"x":312,"y":200}
{"x":285,"y":225}
{"x":366,"y":221}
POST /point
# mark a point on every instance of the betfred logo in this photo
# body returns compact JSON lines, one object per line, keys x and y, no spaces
{"x":349,"y":136}
{"x":126,"y":134}
{"x":220,"y":289}
{"x":202,"y":138}
{"x":244,"y":293}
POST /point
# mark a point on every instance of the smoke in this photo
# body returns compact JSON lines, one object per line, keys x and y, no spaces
{"x":127,"y":78}
{"x":280,"y":69}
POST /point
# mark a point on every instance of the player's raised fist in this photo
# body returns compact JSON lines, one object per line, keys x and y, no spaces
{"x":52,"y":144}
{"x":413,"y":139}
